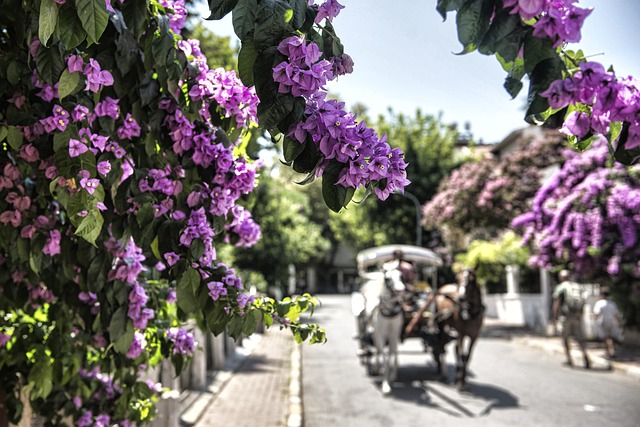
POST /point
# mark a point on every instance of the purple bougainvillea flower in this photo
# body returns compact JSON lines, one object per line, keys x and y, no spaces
{"x":171,"y":258}
{"x":4,"y":339}
{"x":52,"y":245}
{"x":137,"y":345}
{"x":103,"y":167}
{"x":75,"y":63}
{"x":76,"y":148}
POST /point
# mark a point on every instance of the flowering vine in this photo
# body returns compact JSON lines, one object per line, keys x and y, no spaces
{"x":121,"y":171}
{"x":530,"y":38}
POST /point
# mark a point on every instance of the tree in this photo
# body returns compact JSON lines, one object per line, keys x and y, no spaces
{"x":481,"y":197}
{"x":289,"y":235}
{"x":586,"y":219}
{"x":490,"y":258}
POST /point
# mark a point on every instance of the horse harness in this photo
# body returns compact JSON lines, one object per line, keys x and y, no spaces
{"x":391,"y":300}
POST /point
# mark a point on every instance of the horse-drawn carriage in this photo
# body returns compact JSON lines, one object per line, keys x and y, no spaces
{"x":385,"y":305}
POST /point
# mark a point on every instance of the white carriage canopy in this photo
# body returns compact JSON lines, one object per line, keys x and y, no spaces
{"x":382,"y":254}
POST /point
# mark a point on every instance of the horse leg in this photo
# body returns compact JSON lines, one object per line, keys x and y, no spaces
{"x":439,"y":352}
{"x":394,"y":339}
{"x":378,"y":342}
{"x":390,"y":351}
{"x":460,"y":358}
{"x":465,"y":363}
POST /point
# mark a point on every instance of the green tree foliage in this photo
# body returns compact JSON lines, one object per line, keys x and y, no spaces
{"x":289,"y":234}
{"x":489,"y":258}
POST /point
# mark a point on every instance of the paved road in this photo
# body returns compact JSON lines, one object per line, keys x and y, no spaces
{"x":509,"y":384}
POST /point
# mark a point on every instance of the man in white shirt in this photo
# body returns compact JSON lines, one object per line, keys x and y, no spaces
{"x":608,"y":318}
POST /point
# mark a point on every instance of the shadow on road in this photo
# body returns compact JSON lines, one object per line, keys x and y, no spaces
{"x":422,"y":386}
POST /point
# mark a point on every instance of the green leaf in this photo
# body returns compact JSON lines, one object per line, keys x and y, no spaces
{"x":41,"y":376}
{"x":49,"y":64}
{"x":48,"y":20}
{"x":68,"y":83}
{"x":234,"y":327}
{"x":135,"y":16}
{"x":335,"y":196}
{"x":331,"y":45}
{"x":217,"y":318}
{"x":14,"y":72}
{"x":149,"y":89}
{"x":503,"y":36}
{"x":162,"y":45}
{"x":91,"y":226}
{"x":621,"y":153}
{"x":299,"y":8}
{"x":4,"y":131}
{"x":185,"y":290}
{"x":123,"y":344}
{"x":69,"y":30}
{"x":144,"y":215}
{"x":273,"y":111}
{"x":94,"y":18}
{"x":295,"y":116}
{"x":118,"y":324}
{"x":270,"y":23}
{"x":155,"y":249}
{"x":15,"y":138}
{"x":220,"y":8}
{"x":97,"y":274}
{"x":291,"y":149}
{"x":251,"y":321}
{"x":513,"y":86}
{"x":536,"y":50}
{"x":246,"y":60}
{"x":473,"y":22}
{"x":307,"y":161}
{"x":244,"y":17}
{"x":540,"y":78}
{"x":445,"y":6}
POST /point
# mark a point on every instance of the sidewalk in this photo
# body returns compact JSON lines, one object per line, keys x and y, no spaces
{"x":262,"y":386}
{"x":259,"y":389}
{"x":627,"y":360}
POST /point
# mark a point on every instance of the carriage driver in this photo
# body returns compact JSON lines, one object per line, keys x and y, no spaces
{"x":407,"y":270}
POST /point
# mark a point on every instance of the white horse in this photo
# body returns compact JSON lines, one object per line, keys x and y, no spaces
{"x":382,"y":314}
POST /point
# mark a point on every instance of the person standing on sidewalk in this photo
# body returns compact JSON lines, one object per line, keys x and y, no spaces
{"x":608,"y":319}
{"x":568,"y":301}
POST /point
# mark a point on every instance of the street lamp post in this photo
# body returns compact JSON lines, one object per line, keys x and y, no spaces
{"x":416,"y":203}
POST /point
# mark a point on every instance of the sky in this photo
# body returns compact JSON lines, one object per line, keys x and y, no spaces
{"x":404,"y":57}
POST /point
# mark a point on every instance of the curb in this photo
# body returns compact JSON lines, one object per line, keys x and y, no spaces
{"x":295,"y":418}
{"x":202,"y":399}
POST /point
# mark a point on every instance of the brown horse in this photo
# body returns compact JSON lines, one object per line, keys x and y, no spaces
{"x":459,"y":307}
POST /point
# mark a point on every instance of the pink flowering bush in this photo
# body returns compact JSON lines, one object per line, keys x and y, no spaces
{"x":484,"y":196}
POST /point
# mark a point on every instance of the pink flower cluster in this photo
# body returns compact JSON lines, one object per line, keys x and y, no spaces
{"x":219,"y":86}
{"x":558,"y":20}
{"x":304,"y":73}
{"x":367,"y":158}
{"x":610,"y":100}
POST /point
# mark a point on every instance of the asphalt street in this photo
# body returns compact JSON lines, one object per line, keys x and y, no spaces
{"x":509,"y":384}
